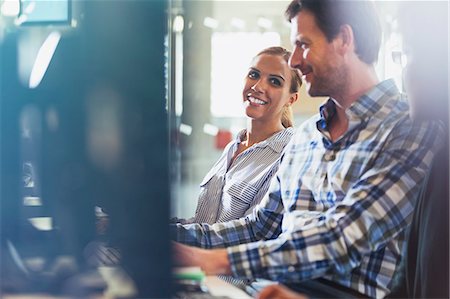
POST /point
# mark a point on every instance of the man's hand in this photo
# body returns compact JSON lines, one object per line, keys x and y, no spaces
{"x":277,"y":291}
{"x":213,"y":262}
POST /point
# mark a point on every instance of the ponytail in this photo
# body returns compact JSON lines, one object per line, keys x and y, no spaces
{"x":287,"y":117}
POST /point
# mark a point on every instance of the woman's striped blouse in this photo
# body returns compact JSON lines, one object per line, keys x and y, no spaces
{"x":231,"y":190}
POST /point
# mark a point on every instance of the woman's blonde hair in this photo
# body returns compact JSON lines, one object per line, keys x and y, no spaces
{"x":287,"y":117}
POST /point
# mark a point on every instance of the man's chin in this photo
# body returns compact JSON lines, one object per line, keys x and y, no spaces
{"x":310,"y":89}
{"x":314,"y":92}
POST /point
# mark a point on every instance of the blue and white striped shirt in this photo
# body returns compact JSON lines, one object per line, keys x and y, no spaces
{"x":230,"y":190}
{"x":337,"y":210}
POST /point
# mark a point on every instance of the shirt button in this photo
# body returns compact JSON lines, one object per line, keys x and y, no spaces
{"x":291,"y":269}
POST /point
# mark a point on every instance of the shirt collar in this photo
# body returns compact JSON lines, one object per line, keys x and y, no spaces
{"x":276,"y":142}
{"x":363,"y":108}
{"x":372,"y":101}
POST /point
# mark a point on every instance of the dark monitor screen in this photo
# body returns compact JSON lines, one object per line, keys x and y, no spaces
{"x":92,"y":134}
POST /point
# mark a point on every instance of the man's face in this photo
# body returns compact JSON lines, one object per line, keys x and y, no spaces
{"x":322,"y":68}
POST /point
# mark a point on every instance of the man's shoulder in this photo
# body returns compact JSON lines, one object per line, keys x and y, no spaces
{"x":417,"y":137}
{"x":308,"y":126}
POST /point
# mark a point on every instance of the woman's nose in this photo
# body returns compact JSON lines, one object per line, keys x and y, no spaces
{"x":257,"y":86}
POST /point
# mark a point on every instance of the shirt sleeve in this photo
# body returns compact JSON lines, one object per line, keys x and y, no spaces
{"x":263,"y":223}
{"x":375,"y":211}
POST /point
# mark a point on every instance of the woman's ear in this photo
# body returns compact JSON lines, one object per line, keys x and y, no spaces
{"x":293,"y":98}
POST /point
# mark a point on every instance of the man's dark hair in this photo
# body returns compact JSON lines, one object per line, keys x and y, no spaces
{"x":330,"y":15}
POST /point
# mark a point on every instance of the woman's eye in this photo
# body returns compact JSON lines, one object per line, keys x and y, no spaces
{"x":275,"y":81}
{"x":253,"y":75}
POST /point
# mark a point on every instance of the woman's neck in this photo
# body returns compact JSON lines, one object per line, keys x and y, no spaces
{"x":257,"y":131}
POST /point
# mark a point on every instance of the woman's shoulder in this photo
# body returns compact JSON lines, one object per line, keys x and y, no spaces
{"x":287,"y":133}
{"x":280,"y":139}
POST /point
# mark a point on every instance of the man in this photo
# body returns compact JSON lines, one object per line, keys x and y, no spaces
{"x":337,"y":211}
{"x":425,"y":267}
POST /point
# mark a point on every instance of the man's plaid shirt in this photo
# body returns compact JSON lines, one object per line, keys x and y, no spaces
{"x":336,"y":210}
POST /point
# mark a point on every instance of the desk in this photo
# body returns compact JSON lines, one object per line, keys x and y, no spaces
{"x":218,"y":287}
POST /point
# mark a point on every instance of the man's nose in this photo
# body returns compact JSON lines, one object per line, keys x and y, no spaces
{"x":296,"y":59}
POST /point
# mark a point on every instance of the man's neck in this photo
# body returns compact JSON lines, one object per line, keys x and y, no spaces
{"x":361,"y":79}
{"x":338,"y":125}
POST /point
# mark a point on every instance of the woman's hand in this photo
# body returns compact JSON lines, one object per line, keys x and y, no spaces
{"x":212,"y":262}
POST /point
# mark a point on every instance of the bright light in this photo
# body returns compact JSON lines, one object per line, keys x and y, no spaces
{"x":10,"y":8}
{"x":178,"y":24}
{"x":30,"y":8}
{"x":185,"y":129}
{"x":42,"y":223}
{"x":43,"y":59}
{"x":32,"y":201}
{"x":238,"y":23}
{"x":264,"y":23}
{"x":210,"y":129}
{"x":211,"y":23}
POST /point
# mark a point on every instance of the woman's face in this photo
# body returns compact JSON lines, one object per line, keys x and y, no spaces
{"x":266,"y":88}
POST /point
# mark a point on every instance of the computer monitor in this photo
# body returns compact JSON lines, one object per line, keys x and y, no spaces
{"x":92,"y":133}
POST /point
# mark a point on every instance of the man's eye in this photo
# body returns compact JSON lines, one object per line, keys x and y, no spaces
{"x":253,"y":75}
{"x":304,"y":46}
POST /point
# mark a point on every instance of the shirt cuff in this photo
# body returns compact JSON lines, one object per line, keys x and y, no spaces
{"x":245,"y":260}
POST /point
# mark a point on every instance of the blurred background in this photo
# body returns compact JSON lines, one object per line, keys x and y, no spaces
{"x":84,"y":147}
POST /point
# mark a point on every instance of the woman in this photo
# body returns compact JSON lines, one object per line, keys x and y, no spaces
{"x":241,"y":176}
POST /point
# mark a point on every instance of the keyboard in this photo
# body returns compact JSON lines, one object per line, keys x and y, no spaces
{"x":198,"y":295}
{"x":191,"y":283}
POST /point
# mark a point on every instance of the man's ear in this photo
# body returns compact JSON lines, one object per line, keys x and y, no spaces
{"x":345,"y":40}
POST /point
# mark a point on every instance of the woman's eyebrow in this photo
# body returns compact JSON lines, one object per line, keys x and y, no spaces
{"x":272,"y":75}
{"x":278,"y":76}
